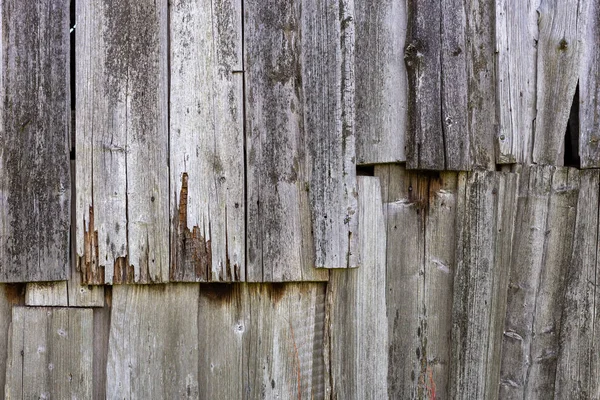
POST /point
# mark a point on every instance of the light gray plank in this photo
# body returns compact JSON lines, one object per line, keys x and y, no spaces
{"x":357,"y":323}
{"x":10,"y":295}
{"x":52,"y":351}
{"x":577,"y":374}
{"x":381,"y":81}
{"x":300,"y":139}
{"x":47,"y":294}
{"x":558,"y":62}
{"x":34,"y":126}
{"x":206,"y":141}
{"x":589,"y":88}
{"x":153,"y":344}
{"x":486,"y":216}
{"x":516,"y":30}
{"x":122,"y":141}
{"x":101,"y":336}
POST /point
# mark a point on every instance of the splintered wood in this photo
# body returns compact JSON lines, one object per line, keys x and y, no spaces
{"x":34,"y":141}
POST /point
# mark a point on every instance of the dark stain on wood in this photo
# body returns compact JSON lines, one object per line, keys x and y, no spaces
{"x":91,"y":272}
{"x":219,"y":292}
{"x":14,"y":293}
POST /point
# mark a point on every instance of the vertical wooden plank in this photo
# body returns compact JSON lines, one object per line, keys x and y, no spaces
{"x":10,"y":295}
{"x":300,"y":139}
{"x":206,"y":141}
{"x":153,"y":344}
{"x":52,"y":351}
{"x":425,"y":139}
{"x":559,"y":55}
{"x":516,"y":30}
{"x":357,"y":326}
{"x":589,"y":88}
{"x":284,"y":352}
{"x":381,"y":82}
{"x":34,"y":126}
{"x":122,"y":141}
{"x":486,"y":210}
{"x":101,"y":336}
{"x":577,"y":373}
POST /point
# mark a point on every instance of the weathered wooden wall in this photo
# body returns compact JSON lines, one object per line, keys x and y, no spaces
{"x":299,"y":199}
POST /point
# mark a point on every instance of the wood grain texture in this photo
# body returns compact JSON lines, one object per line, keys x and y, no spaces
{"x":51,"y":353}
{"x":10,"y":295}
{"x":357,"y":324}
{"x":577,"y":373}
{"x":452,"y":106}
{"x":300,"y":139}
{"x":206,"y":141}
{"x":558,"y":62}
{"x":486,"y":216}
{"x":420,"y":216}
{"x":589,"y":88}
{"x":34,"y":140}
{"x":381,"y":82}
{"x":153,"y":344}
{"x":122,"y":141}
{"x":516,"y":31}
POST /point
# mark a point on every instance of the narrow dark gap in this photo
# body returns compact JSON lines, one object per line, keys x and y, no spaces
{"x":572,"y":134}
{"x":365,"y":170}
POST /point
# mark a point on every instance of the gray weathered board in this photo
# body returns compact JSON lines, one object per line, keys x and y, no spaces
{"x":356,"y":348}
{"x":420,"y":212}
{"x":450,"y":63}
{"x":381,"y":84}
{"x":10,"y":295}
{"x":299,"y":80}
{"x":50,"y":354}
{"x":34,"y":140}
{"x":122,"y":177}
{"x":206,"y":141}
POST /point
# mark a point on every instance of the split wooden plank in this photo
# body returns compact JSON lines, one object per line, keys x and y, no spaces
{"x":589,"y":88}
{"x":516,"y":30}
{"x":420,"y":213}
{"x":452,"y":85}
{"x":357,"y":323}
{"x":381,"y":82}
{"x":122,"y":141}
{"x":301,"y":174}
{"x":206,"y":141}
{"x":50,"y":354}
{"x":153,"y":344}
{"x":34,"y":126}
{"x":486,"y":210}
{"x":101,"y":337}
{"x":577,"y":373}
{"x":558,"y":62}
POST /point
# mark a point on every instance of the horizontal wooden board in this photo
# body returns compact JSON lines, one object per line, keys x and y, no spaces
{"x":34,"y":160}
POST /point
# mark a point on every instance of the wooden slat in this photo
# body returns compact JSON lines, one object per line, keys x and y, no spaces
{"x":558,"y":61}
{"x":451,"y":84}
{"x":589,"y":88}
{"x":577,"y":373}
{"x":10,"y":295}
{"x":300,"y":139}
{"x":516,"y":30}
{"x":122,"y":141}
{"x":206,"y":141}
{"x":420,"y":213}
{"x":51,"y":353}
{"x":486,"y":216}
{"x":357,"y":323}
{"x":101,"y":336}
{"x":153,"y":345}
{"x":381,"y":82}
{"x":34,"y":121}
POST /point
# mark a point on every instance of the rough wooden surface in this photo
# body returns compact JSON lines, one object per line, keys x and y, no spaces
{"x":300,"y":139}
{"x":589,"y":88}
{"x":516,"y":30}
{"x":153,"y":344}
{"x":50,"y":354}
{"x":34,"y":141}
{"x":356,"y":322}
{"x":122,"y":141}
{"x":206,"y":141}
{"x":558,"y":61}
{"x":10,"y":295}
{"x":486,"y":216}
{"x":381,"y":82}
{"x":577,"y":373}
